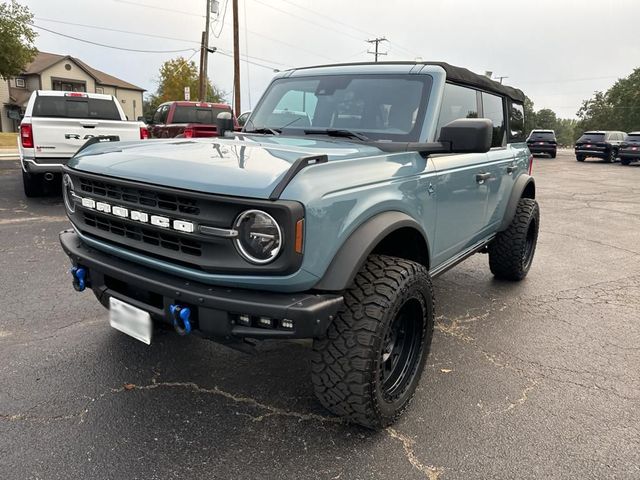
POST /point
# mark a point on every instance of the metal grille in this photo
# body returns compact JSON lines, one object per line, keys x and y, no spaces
{"x":139,"y":196}
{"x":143,"y":235}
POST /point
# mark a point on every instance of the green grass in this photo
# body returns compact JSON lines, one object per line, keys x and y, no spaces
{"x":8,"y":140}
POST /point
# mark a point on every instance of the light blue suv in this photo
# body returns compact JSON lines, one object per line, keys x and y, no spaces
{"x":350,"y":188}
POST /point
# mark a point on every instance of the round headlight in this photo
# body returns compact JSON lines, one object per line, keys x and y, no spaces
{"x":68,"y":193}
{"x":259,"y":237}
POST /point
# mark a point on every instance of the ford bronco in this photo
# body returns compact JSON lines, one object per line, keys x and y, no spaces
{"x":350,"y":188}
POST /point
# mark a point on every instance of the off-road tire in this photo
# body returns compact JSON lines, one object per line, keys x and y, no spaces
{"x":512,"y":251}
{"x":347,"y":363}
{"x":33,"y":184}
{"x":625,"y":161}
{"x":580,"y":158}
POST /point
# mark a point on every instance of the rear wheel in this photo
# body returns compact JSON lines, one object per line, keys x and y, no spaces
{"x":611,"y":156}
{"x":625,"y":161}
{"x":369,"y":365}
{"x":580,"y":158}
{"x":33,"y":184}
{"x":511,"y":252}
{"x":553,"y":154}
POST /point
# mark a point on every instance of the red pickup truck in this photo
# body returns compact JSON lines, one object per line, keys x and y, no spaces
{"x":187,"y":119}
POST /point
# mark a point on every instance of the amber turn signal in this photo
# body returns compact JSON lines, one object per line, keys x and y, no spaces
{"x":299,"y":235}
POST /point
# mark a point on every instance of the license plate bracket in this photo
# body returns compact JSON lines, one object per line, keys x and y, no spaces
{"x":131,"y":320}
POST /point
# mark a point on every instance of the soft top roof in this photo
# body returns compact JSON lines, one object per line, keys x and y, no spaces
{"x":455,"y":74}
{"x":467,"y":77}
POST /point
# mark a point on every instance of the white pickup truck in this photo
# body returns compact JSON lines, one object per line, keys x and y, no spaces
{"x":56,"y":124}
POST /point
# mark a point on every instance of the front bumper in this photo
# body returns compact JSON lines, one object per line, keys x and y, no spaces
{"x":216,"y":309}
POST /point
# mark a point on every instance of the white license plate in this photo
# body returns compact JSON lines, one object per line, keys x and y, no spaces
{"x":130,"y":320}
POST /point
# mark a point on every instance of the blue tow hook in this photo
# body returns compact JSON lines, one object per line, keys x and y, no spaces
{"x":181,"y":319}
{"x":79,"y":275}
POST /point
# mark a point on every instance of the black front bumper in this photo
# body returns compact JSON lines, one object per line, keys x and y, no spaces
{"x":216,"y":310}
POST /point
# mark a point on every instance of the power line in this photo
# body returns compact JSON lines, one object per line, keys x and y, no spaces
{"x":108,"y":29}
{"x":224,"y":15}
{"x":110,"y":46}
{"x":154,"y":7}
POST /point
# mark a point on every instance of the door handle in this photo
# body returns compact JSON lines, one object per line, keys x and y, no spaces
{"x":482,"y":177}
{"x":511,"y":169}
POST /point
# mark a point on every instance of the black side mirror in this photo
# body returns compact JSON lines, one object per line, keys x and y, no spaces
{"x":224,"y":122}
{"x":468,"y":135}
{"x":147,"y":120}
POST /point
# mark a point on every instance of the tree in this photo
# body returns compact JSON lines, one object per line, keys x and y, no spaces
{"x":175,"y":75}
{"x":624,"y":99}
{"x":16,"y":39}
{"x":546,"y":119}
{"x":529,"y":116}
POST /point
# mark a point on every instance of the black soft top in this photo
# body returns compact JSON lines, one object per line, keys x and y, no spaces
{"x":455,"y":74}
{"x":467,"y":77}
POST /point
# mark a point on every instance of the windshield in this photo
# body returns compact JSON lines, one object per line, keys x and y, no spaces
{"x":75,"y":107}
{"x":193,"y":114}
{"x":542,"y":136}
{"x":382,"y":107}
{"x":591,"y":137}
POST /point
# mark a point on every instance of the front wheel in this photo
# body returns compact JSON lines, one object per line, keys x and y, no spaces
{"x":511,"y":252}
{"x":369,"y":365}
{"x":611,"y":156}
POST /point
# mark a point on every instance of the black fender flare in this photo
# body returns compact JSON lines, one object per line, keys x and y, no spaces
{"x":357,"y":247}
{"x":523,"y":182}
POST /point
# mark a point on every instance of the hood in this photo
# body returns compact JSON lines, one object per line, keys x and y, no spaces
{"x":244,"y":166}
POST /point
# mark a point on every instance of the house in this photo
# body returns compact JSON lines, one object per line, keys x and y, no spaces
{"x":49,"y":71}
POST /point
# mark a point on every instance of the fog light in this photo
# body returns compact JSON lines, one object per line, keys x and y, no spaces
{"x":266,"y":322}
{"x":287,"y":324}
{"x":244,"y":320}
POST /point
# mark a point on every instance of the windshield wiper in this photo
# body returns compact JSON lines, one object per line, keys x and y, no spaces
{"x":265,"y":130}
{"x":336,"y":132}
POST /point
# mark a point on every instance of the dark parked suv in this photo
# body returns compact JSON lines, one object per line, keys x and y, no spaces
{"x":630,"y":149}
{"x":599,"y":144}
{"x":542,"y":141}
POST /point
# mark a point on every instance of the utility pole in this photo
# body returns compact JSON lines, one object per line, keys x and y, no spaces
{"x":204,"y":56}
{"x":377,"y":41}
{"x":236,"y":61}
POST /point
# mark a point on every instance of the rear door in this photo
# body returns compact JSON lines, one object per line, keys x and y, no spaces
{"x":62,"y":124}
{"x":500,"y":161}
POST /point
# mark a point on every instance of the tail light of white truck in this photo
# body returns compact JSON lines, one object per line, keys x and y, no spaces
{"x":144,"y":133}
{"x":26,"y":135}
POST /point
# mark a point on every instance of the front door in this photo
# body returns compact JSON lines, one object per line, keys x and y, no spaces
{"x":462,"y":189}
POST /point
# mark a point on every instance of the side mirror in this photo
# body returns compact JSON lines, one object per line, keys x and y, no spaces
{"x":141,"y":119}
{"x":147,"y":120}
{"x":224,"y":122}
{"x":468,"y":135}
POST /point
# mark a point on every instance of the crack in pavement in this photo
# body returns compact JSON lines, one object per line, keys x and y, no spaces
{"x":590,"y":240}
{"x":430,"y":472}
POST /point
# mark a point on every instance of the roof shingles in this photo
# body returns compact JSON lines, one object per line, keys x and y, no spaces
{"x":45,"y":60}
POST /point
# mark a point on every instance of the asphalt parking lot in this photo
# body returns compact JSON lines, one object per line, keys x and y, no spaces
{"x":539,"y":379}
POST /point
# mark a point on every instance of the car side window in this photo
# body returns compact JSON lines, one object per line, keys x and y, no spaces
{"x":516,"y":122}
{"x":457,"y":102}
{"x":157,"y":117}
{"x":493,"y":109}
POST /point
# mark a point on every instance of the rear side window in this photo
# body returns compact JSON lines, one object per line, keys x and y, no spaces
{"x":75,"y":107}
{"x":493,"y":109}
{"x":457,"y":102}
{"x":516,"y":122}
{"x":194,"y":114}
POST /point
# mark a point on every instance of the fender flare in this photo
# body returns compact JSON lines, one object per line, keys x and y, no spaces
{"x":354,"y":251}
{"x":522,"y":182}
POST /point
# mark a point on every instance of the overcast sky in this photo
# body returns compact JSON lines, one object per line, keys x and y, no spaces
{"x":557,"y":51}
